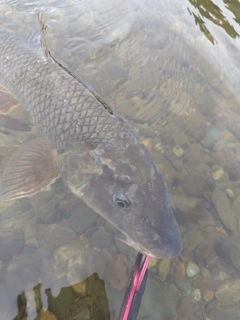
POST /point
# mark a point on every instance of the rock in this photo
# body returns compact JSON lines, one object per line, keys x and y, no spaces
{"x":228,"y":249}
{"x":218,"y":174}
{"x":82,"y":218}
{"x":233,"y":169}
{"x":196,"y":294}
{"x":186,"y":208}
{"x":180,"y":271}
{"x":163,"y":269}
{"x":183,"y":285}
{"x":199,"y":181}
{"x":205,"y":273}
{"x":216,"y":311}
{"x":46,"y":315}
{"x":202,"y":251}
{"x":45,"y":205}
{"x":156,"y":304}
{"x":179,"y":152}
{"x":224,"y":209}
{"x":228,"y":292}
{"x":236,"y":205}
{"x":101,"y":238}
{"x":70,"y":263}
{"x":211,"y":136}
{"x":148,"y":143}
{"x":116,"y":270}
{"x":192,"y":269}
{"x":208,"y":295}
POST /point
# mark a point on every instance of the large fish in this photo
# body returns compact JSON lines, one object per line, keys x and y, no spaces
{"x":102,"y":159}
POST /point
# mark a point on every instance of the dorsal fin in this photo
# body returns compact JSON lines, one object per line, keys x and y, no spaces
{"x":43,"y":29}
{"x":47,"y":54}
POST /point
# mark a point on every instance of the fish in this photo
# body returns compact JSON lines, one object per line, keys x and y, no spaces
{"x":96,"y":152}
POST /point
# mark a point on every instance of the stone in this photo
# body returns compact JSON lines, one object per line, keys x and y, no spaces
{"x":236,"y":205}
{"x":148,"y":143}
{"x":211,"y":136}
{"x":208,"y":295}
{"x":233,"y":169}
{"x":228,"y":249}
{"x":192,"y":269}
{"x":46,"y":315}
{"x":116,"y":270}
{"x":101,"y":238}
{"x":187,"y":208}
{"x":222,"y":204}
{"x":228,"y":292}
{"x":218,"y":174}
{"x":196,"y":294}
{"x":216,"y":311}
{"x":179,"y":152}
{"x":202,"y":251}
{"x":163,"y":268}
{"x":179,"y":270}
{"x":70,"y":263}
{"x":156,"y":304}
{"x":183,"y":285}
{"x":82,"y":218}
{"x":199,"y":181}
{"x":205,"y":273}
{"x":46,"y":204}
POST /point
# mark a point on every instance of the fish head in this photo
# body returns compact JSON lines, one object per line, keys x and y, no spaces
{"x":130,"y":192}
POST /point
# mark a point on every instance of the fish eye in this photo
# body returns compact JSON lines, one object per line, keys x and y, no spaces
{"x":121,"y":201}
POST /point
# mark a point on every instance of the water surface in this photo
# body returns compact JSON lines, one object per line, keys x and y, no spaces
{"x":172,"y":70}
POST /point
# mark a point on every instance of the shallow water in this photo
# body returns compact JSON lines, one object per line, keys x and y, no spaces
{"x":172,"y":70}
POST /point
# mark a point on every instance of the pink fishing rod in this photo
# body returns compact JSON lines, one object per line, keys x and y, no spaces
{"x":135,"y":289}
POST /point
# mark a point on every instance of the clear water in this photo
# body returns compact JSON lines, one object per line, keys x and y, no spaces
{"x":172,"y":69}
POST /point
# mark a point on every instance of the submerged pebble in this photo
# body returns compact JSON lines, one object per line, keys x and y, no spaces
{"x":192,"y":269}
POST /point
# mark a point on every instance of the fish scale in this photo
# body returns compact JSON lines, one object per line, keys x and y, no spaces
{"x":51,"y":96}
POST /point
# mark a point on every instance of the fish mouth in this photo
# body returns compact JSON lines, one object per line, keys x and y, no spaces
{"x":167,"y":246}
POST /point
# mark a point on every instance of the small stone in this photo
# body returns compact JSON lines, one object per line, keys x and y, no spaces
{"x":230,"y":193}
{"x":228,"y":292}
{"x":211,"y":136}
{"x":152,"y":263}
{"x":116,"y":270}
{"x":196,"y":294}
{"x":80,"y":288}
{"x":180,"y":270}
{"x":224,"y":209}
{"x":179,"y":152}
{"x":192,"y":269}
{"x":218,"y":174}
{"x":101,"y":238}
{"x":205,"y":273}
{"x":183,"y":285}
{"x":163,"y":269}
{"x":46,"y":315}
{"x":148,"y":144}
{"x":202,"y":251}
{"x":208,"y":295}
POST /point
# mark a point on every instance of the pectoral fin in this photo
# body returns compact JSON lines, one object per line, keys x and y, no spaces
{"x":7,"y":101}
{"x":14,"y":124}
{"x":29,"y":170}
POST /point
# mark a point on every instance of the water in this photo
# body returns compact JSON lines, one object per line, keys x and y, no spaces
{"x":172,"y":69}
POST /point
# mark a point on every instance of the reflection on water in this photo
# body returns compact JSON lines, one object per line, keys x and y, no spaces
{"x":154,"y":66}
{"x":212,"y":12}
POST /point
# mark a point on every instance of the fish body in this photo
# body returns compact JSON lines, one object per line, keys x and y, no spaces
{"x":97,"y":153}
